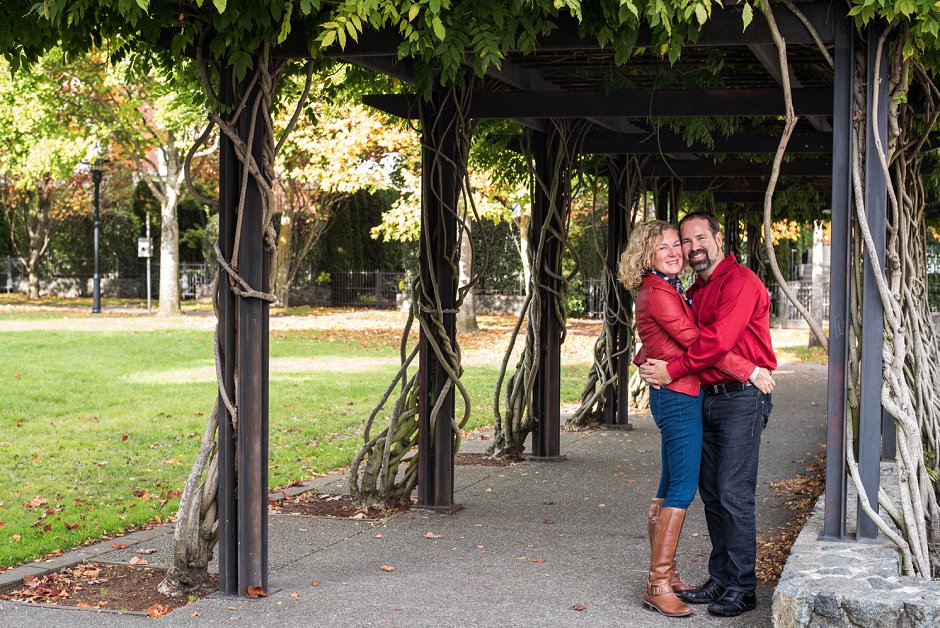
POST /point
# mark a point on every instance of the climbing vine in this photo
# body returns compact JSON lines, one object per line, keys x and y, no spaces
{"x":514,"y":415}
{"x":375,"y":474}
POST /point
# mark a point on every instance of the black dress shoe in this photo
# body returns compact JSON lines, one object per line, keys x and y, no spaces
{"x":733,"y":603}
{"x":708,"y":592}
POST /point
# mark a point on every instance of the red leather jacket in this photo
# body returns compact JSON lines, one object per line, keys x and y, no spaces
{"x":666,"y":328}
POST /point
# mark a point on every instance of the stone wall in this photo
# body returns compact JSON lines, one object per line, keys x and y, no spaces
{"x":829,"y":583}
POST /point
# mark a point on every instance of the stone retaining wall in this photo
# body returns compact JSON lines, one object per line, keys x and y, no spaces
{"x":827,"y":583}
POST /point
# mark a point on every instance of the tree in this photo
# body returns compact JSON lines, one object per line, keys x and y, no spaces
{"x":41,"y":147}
{"x":153,"y":121}
{"x":336,"y":150}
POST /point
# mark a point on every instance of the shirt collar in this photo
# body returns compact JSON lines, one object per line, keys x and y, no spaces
{"x":723,"y":267}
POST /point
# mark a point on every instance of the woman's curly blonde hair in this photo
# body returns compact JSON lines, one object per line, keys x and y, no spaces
{"x":637,"y":258}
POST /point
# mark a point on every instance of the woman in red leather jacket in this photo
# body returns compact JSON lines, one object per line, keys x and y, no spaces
{"x":651,"y":265}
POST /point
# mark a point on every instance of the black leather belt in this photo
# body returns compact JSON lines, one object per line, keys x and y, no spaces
{"x":725,"y":387}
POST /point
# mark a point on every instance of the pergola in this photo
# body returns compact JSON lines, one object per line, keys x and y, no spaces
{"x":568,"y":76}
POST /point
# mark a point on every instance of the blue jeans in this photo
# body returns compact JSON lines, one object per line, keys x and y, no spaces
{"x":732,"y":425}
{"x":679,"y":419}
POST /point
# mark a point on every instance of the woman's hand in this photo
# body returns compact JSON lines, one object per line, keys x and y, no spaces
{"x":654,"y":373}
{"x":763,"y":381}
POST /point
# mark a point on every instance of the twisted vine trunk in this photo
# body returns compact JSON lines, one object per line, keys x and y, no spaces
{"x":547,"y":280}
{"x":376,"y":475}
{"x":197,"y":532}
{"x":911,"y":350}
{"x":602,"y":380}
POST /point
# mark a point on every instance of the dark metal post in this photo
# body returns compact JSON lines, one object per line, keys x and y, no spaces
{"x":662,"y":200}
{"x":252,"y":486}
{"x":876,"y":206}
{"x":228,"y":204}
{"x":439,"y":192}
{"x":616,"y":402}
{"x":548,"y":199}
{"x":839,"y":321}
{"x":96,"y":173}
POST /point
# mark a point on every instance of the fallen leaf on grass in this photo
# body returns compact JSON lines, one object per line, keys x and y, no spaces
{"x":123,"y":436}
{"x":578,"y":607}
{"x":137,"y":560}
{"x":15,"y":537}
{"x":36,"y":502}
{"x":119,"y":546}
{"x":2,"y":523}
{"x":172,"y":461}
{"x":431,"y":535}
{"x":71,"y":526}
{"x":256,"y":592}
{"x":387,"y":568}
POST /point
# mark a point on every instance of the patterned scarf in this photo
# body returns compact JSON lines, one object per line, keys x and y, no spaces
{"x":675,"y":284}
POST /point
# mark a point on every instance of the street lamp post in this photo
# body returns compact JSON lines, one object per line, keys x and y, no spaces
{"x":97,"y":169}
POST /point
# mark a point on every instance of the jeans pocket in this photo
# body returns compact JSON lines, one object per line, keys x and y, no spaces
{"x":766,"y":407}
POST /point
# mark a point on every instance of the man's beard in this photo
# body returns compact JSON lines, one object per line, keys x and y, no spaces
{"x":701,"y":263}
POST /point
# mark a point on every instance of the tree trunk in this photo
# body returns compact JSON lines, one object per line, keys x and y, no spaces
{"x":170,"y":238}
{"x":37,"y":226}
{"x":467,"y":314}
{"x":282,"y":276}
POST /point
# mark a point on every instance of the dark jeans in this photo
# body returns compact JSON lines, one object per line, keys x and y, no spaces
{"x":732,"y":424}
{"x":679,"y":418}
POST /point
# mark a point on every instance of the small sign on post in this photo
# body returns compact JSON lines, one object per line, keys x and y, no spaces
{"x":144,"y":246}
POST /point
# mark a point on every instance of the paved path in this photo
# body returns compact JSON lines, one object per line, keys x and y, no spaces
{"x":499,"y":562}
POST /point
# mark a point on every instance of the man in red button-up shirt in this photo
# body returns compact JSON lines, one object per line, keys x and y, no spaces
{"x":732,"y":309}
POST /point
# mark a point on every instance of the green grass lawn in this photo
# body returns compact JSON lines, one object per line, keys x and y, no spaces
{"x":98,"y":431}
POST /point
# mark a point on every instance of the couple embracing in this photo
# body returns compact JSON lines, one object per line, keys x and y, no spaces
{"x":707,"y":357}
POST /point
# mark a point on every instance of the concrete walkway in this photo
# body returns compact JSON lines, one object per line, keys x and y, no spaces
{"x":532,"y":541}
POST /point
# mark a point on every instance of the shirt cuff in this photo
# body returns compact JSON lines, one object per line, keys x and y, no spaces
{"x":753,"y":375}
{"x":675,"y":370}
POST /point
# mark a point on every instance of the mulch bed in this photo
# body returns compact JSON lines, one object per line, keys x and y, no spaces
{"x":105,"y":586}
{"x":332,"y":505}
{"x":804,"y":490}
{"x":481,"y":460}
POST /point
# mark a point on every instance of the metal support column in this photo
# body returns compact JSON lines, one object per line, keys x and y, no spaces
{"x":662,"y":199}
{"x":617,"y":400}
{"x":548,"y":199}
{"x":243,"y":473}
{"x":96,"y":173}
{"x":440,"y":188}
{"x":229,"y":181}
{"x":876,"y":205}
{"x":839,"y":321}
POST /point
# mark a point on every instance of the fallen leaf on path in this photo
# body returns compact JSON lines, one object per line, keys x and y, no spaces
{"x":157,"y":610}
{"x":84,"y":605}
{"x":295,"y":594}
{"x":578,"y":607}
{"x":137,"y":560}
{"x":536,"y":560}
{"x":387,"y":568}
{"x":314,"y":584}
{"x":119,"y":546}
{"x":256,"y":592}
{"x":548,"y":522}
{"x":431,"y":535}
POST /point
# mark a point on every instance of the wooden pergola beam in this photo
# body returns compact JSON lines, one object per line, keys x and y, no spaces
{"x":667,"y":103}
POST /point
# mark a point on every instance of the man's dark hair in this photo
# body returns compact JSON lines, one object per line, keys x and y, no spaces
{"x":713,"y":224}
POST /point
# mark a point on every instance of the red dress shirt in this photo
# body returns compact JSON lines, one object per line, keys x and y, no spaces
{"x":666,"y":327}
{"x":733,"y":313}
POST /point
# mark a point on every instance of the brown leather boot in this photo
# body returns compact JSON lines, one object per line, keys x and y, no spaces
{"x":658,"y":595}
{"x":652,"y":521}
